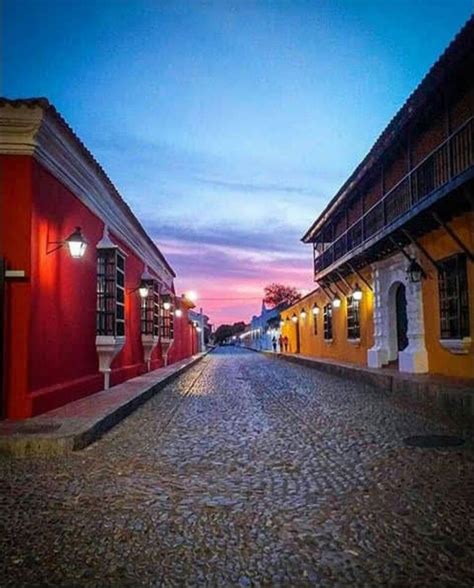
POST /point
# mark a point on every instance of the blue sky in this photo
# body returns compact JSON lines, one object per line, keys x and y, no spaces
{"x":226,"y":125}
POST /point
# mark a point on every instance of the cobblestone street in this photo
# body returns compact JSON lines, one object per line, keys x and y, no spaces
{"x":246,"y":471}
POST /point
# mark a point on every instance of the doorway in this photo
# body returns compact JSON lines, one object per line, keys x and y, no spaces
{"x":401,"y":317}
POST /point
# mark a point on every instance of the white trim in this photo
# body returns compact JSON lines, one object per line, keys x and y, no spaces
{"x":354,"y":341}
{"x":457,"y":346}
{"x":107,"y":348}
{"x":32,"y":130}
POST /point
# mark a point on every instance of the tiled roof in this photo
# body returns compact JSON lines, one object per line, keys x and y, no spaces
{"x":462,"y":44}
{"x":46,"y":105}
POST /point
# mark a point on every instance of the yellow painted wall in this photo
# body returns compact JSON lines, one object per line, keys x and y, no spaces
{"x":440,"y":245}
{"x":441,"y":361}
{"x":340,"y":348}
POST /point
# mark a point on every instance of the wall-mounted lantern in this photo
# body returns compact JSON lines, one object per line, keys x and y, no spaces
{"x":143,"y":289}
{"x":282,"y":322}
{"x":415,"y":272}
{"x":357,"y":293}
{"x":336,"y":302}
{"x":303,"y":314}
{"x":75,"y":242}
{"x":315,"y":309}
{"x":178,"y":313}
{"x":166,"y":298}
{"x":294,"y":318}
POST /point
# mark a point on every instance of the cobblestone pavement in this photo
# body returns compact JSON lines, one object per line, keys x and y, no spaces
{"x":246,"y":471}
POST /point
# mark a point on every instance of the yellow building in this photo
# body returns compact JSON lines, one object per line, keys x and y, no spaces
{"x":394,"y":248}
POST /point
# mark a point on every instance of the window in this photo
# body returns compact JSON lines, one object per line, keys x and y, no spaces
{"x":150,"y":311}
{"x":353,"y":318}
{"x":166,"y":318}
{"x":327,"y":314}
{"x":453,"y":297}
{"x":110,"y":293}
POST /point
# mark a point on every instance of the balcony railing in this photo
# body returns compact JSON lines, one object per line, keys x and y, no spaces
{"x":453,"y":157}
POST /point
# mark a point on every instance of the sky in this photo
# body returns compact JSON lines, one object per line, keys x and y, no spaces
{"x":226,"y":125}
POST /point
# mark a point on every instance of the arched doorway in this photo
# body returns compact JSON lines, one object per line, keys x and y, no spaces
{"x":401,"y":317}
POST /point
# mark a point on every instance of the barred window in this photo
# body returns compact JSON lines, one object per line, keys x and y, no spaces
{"x":150,"y":311}
{"x":166,"y":319}
{"x":327,"y":314}
{"x":353,"y":318}
{"x":110,"y":293}
{"x":453,"y":297}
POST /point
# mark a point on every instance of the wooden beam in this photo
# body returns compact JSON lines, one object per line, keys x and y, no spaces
{"x":421,"y":248}
{"x":454,"y":236}
{"x":360,"y":276}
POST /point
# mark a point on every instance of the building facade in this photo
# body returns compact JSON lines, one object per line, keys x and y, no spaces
{"x":87,"y":298}
{"x":263,"y":329}
{"x":394,"y":248}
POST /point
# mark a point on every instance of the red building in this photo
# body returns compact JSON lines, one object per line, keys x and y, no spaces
{"x":87,"y":299}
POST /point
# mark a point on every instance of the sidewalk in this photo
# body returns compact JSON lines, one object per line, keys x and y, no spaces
{"x":76,"y":425}
{"x":454,"y":396}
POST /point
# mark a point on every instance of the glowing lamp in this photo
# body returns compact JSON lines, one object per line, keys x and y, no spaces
{"x":76,"y":243}
{"x":198,"y":329}
{"x":336,"y":303}
{"x":294,"y":318}
{"x":191,"y":295}
{"x":357,"y":294}
{"x":303,"y":314}
{"x":143,"y":289}
{"x":282,"y":323}
{"x":315,"y":309}
{"x":178,"y":313}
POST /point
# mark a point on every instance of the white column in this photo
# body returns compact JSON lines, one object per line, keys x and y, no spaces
{"x":414,"y":358}
{"x":377,"y":356}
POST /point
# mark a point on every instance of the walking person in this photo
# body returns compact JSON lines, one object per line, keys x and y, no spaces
{"x":274,"y":344}
{"x":280,"y":343}
{"x":285,"y":343}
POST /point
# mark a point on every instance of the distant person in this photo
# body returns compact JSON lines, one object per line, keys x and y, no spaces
{"x":280,"y":343}
{"x":285,"y":343}
{"x":274,"y":344}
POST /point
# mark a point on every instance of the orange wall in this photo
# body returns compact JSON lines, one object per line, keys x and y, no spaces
{"x":340,"y":348}
{"x":440,"y":245}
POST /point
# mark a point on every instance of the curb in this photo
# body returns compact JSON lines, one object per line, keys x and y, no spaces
{"x":455,"y":401}
{"x":72,"y":434}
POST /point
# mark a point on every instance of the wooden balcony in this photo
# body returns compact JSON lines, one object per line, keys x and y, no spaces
{"x":444,"y":169}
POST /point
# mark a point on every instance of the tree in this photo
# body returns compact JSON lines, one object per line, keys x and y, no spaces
{"x":279,"y":294}
{"x":224,"y":332}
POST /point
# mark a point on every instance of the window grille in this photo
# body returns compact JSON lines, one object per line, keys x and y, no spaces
{"x":453,"y":297}
{"x":166,"y":319}
{"x":327,"y":314}
{"x":110,"y":293}
{"x":150,"y":311}
{"x":353,"y":318}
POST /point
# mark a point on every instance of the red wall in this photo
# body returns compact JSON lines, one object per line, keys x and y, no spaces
{"x":52,"y":358}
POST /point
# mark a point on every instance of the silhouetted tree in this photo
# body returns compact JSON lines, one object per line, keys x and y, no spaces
{"x":276,"y":294}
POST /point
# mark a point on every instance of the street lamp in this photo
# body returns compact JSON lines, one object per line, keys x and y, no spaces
{"x":191,"y":295}
{"x":415,"y":272}
{"x":143,"y":289}
{"x":357,"y":293}
{"x":75,"y":242}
